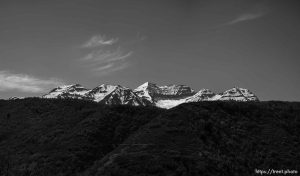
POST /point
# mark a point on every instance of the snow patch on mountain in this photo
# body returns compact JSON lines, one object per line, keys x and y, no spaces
{"x":167,"y":104}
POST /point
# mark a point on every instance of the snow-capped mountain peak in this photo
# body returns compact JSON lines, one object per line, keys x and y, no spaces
{"x":146,"y":85}
{"x":101,"y":91}
{"x":238,"y":94}
{"x":146,"y":91}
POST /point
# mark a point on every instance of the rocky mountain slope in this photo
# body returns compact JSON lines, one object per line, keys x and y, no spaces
{"x":149,"y":94}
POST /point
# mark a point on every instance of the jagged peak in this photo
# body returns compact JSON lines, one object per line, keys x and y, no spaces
{"x":145,"y":86}
{"x":149,"y":83}
{"x":69,"y":86}
{"x":205,"y":91}
{"x":110,"y":86}
{"x":237,"y":89}
{"x":106,"y":85}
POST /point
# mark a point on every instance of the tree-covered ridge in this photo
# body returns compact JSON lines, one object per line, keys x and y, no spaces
{"x":62,"y":137}
{"x":77,"y":137}
{"x":211,"y":138}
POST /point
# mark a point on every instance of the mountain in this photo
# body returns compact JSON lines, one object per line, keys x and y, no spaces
{"x":148,"y":94}
{"x":154,"y":92}
{"x":110,"y":94}
{"x":164,"y":96}
{"x":76,"y":91}
{"x":238,"y":94}
{"x":234,"y":94}
{"x":173,"y":95}
{"x":106,"y":94}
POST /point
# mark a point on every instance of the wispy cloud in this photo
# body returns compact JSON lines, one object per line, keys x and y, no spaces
{"x":257,"y":12}
{"x":101,"y":61}
{"x":25,"y":83}
{"x":99,"y":40}
{"x":246,"y":17}
{"x":111,"y":67}
{"x":106,"y":56}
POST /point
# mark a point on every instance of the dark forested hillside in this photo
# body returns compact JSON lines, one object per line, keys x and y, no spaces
{"x":210,"y":138}
{"x":73,"y":137}
{"x":62,"y":137}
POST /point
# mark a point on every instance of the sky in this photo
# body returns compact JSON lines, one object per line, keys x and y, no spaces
{"x":212,"y":44}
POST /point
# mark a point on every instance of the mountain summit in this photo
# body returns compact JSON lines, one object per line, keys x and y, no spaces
{"x":148,"y":94}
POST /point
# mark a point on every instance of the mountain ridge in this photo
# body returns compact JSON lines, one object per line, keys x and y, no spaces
{"x":149,"y":94}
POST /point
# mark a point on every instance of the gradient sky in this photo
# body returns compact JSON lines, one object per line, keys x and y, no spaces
{"x":211,"y":44}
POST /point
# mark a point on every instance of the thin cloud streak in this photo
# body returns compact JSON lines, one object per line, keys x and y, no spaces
{"x":257,"y":11}
{"x":98,"y":41}
{"x":25,"y":83}
{"x":120,"y":57}
{"x":104,"y":70}
{"x":102,"y":56}
{"x":105,"y":67}
{"x":246,"y":17}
